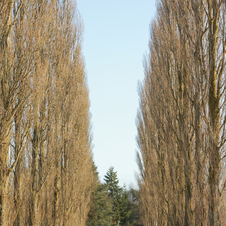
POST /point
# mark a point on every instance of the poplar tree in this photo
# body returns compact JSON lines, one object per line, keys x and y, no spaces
{"x":45,"y":141}
{"x":181,"y":119}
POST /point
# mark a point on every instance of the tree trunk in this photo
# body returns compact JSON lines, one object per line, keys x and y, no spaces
{"x":214,"y":106}
{"x":35,"y":174}
{"x":4,"y":179}
{"x":3,"y":201}
{"x":57,"y":190}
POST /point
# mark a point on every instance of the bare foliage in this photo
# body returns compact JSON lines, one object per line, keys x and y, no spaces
{"x":45,"y":159}
{"x":181,"y":119}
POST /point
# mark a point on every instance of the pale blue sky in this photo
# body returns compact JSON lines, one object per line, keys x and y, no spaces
{"x":116,"y":35}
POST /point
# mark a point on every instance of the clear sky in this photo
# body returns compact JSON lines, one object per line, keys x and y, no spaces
{"x":116,"y":35}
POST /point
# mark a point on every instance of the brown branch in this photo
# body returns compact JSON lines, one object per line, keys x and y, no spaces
{"x":16,"y":160}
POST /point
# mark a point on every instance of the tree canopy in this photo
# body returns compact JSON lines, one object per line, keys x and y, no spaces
{"x":181,"y":120}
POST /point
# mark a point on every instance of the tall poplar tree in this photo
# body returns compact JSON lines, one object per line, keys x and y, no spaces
{"x":45,"y":141}
{"x":181,"y":118}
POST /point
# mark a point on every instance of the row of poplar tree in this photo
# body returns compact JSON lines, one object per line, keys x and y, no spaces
{"x":47,"y":175}
{"x":181,"y":120}
{"x":45,"y":139}
{"x":45,"y":153}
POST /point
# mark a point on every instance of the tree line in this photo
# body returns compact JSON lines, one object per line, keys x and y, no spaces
{"x":181,"y":118}
{"x":47,"y":174}
{"x":45,"y":139}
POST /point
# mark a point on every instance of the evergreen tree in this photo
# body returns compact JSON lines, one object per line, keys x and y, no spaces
{"x":120,"y":197}
{"x":115,"y":192}
{"x":125,"y":207}
{"x":101,"y":207}
{"x":134,"y":217}
{"x":112,"y":181}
